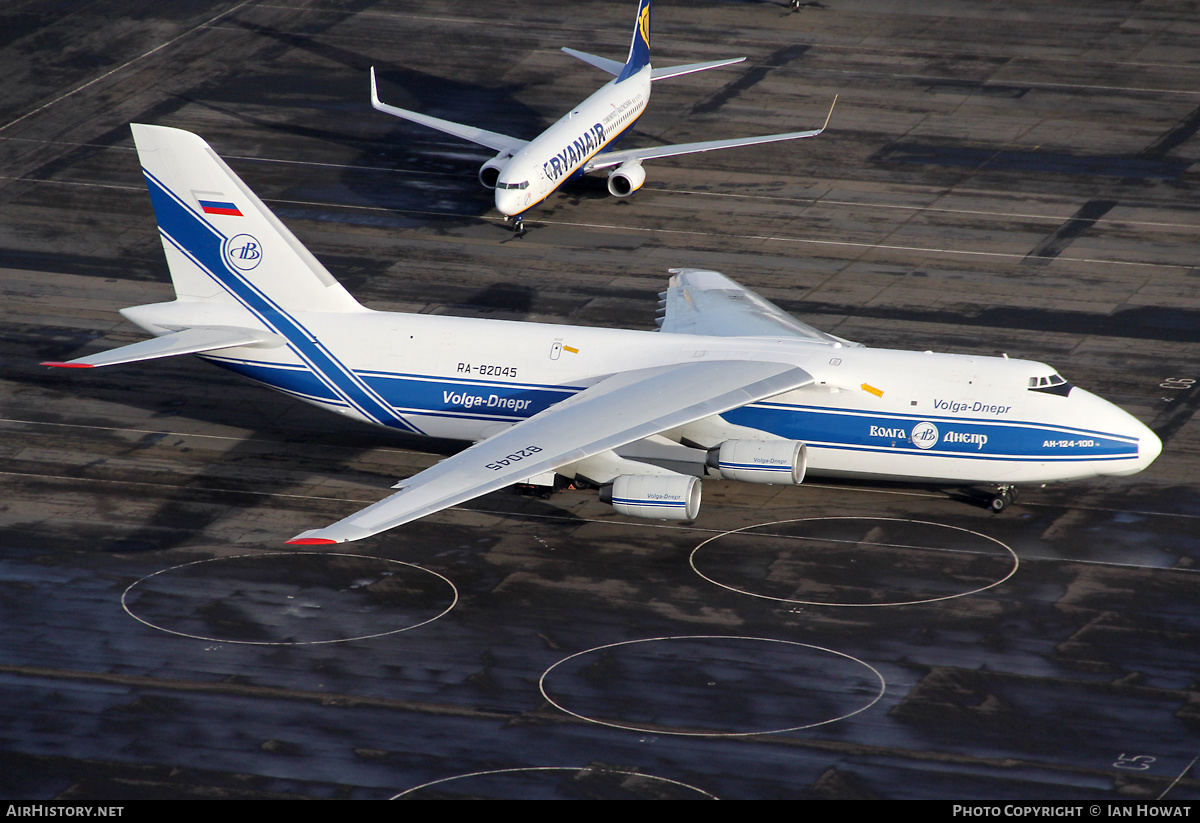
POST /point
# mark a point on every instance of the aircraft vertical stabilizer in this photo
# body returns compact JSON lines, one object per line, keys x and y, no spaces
{"x":639,"y":49}
{"x":222,"y":243}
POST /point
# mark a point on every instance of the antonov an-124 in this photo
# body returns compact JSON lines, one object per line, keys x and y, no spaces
{"x":729,"y":383}
{"x":526,"y":172}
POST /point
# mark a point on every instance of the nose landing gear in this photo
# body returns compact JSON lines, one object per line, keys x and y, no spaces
{"x":1004,"y":497}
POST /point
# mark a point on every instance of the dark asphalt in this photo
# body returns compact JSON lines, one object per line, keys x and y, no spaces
{"x":995,"y":178}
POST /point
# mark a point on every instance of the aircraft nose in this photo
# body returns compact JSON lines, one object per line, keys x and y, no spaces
{"x":506,"y":202}
{"x":1149,"y":447}
{"x":1124,"y":426}
{"x":1148,"y":443}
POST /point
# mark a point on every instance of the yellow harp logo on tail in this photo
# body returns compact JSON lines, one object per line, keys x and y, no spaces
{"x":644,"y":25}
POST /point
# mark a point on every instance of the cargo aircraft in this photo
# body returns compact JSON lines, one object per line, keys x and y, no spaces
{"x":729,"y":385}
{"x":526,"y":172}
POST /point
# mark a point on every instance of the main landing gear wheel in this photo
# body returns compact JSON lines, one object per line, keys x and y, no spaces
{"x":1004,"y":497}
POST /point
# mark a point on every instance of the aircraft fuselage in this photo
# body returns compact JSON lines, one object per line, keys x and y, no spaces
{"x":560,"y":152}
{"x":871,"y":413}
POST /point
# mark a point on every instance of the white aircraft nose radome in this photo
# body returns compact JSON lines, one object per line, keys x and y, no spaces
{"x":1149,"y":448}
{"x":508,"y":201}
{"x":1112,"y":418}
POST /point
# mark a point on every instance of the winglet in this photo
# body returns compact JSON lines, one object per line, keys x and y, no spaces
{"x":829,"y":116}
{"x":375,"y":101}
{"x":310,"y":541}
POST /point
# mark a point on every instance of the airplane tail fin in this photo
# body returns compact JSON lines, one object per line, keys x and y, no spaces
{"x":239,"y":274}
{"x":222,"y":243}
{"x":639,"y":49}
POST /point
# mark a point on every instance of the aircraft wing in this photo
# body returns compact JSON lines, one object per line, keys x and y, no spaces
{"x":698,"y":301}
{"x":620,"y":409}
{"x":604,"y":160}
{"x":191,"y":340}
{"x":483,"y":137}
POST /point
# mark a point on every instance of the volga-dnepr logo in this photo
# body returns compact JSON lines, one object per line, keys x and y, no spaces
{"x":243,"y":252}
{"x":924,"y":435}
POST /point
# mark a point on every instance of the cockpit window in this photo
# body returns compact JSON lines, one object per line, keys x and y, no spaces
{"x":1050,"y":384}
{"x":524,"y":184}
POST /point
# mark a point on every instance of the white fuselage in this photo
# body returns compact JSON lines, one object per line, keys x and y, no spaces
{"x":875,"y":413}
{"x":562,"y":150}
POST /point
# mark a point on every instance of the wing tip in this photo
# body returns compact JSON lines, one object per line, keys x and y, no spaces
{"x":829,"y":116}
{"x":310,"y":541}
{"x":67,"y":364}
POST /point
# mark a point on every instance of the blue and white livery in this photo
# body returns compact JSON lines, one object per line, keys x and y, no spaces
{"x":526,"y":172}
{"x":729,"y":384}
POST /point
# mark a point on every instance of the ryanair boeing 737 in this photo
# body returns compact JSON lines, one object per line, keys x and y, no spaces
{"x":526,"y":172}
{"x":729,"y":383}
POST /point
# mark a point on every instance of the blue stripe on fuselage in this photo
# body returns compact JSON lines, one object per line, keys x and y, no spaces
{"x":955,"y":437}
{"x":411,"y":393}
{"x":435,"y":396}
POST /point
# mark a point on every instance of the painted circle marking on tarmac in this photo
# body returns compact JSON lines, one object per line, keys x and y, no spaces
{"x":684,"y":685}
{"x":776,"y":574}
{"x":326,"y":595}
{"x":627,"y":788}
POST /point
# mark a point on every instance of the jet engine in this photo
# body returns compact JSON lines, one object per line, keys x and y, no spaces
{"x":489,"y":172}
{"x":654,"y":496}
{"x":626,"y":178}
{"x":760,"y":461}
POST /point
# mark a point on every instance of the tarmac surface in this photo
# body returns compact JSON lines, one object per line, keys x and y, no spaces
{"x":997,"y":177}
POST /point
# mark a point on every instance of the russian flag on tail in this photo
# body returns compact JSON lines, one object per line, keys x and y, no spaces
{"x":220,"y":207}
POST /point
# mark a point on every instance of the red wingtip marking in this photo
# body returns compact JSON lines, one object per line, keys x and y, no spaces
{"x":311,"y":541}
{"x":68,"y":365}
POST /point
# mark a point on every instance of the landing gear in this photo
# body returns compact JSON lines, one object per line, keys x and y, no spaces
{"x":1004,"y":497}
{"x":545,"y":490}
{"x":518,"y":226}
{"x":534,"y":490}
{"x":795,"y":4}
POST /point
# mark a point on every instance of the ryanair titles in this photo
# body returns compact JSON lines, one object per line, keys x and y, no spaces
{"x":575,"y":153}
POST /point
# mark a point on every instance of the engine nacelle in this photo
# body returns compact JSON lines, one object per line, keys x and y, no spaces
{"x":626,"y":178}
{"x":760,"y":461}
{"x":654,"y":496}
{"x":489,"y":172}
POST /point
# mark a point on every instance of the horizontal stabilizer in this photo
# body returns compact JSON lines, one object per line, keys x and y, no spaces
{"x":188,"y":341}
{"x":482,"y":137}
{"x":613,"y":67}
{"x":676,"y":71}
